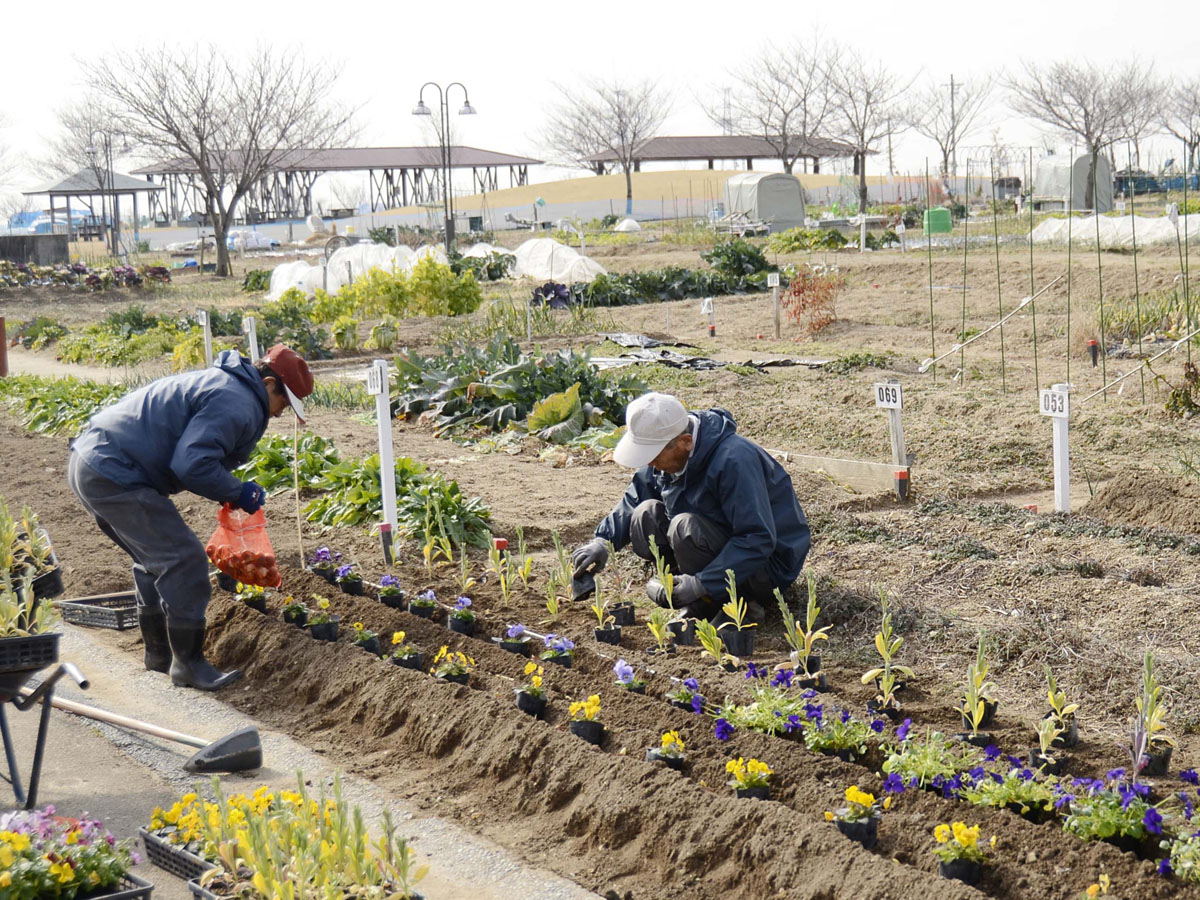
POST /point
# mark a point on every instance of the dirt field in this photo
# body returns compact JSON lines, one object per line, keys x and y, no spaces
{"x":1087,"y":593}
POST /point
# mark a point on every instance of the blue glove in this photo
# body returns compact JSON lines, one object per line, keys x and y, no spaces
{"x":251,"y":498}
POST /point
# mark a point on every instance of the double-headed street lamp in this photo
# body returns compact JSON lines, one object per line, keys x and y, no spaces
{"x":107,"y":149}
{"x":444,"y":143}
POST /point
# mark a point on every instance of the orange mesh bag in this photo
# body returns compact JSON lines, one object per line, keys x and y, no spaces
{"x":241,"y":549}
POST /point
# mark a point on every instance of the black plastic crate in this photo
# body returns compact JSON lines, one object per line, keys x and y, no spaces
{"x":31,"y":652}
{"x":176,"y":860}
{"x":130,"y":887}
{"x":116,"y":611}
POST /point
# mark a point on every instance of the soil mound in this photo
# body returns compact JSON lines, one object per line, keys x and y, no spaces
{"x":1147,"y":498}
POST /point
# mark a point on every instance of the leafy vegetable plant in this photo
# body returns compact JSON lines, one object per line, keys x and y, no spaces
{"x":887,"y":644}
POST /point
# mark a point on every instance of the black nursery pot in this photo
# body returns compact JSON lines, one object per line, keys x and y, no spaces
{"x":622,"y":614}
{"x":325,"y":631}
{"x":864,"y":831}
{"x":590,"y":731}
{"x":393,"y":601}
{"x":878,"y":708}
{"x":227,"y":582}
{"x":684,"y":632}
{"x":298,"y":618}
{"x":371,"y":645}
{"x":416,"y":661}
{"x":738,"y":643}
{"x":814,"y":663}
{"x":353,"y":587}
{"x":464,"y":678}
{"x":636,"y":689}
{"x":329,"y":574}
{"x":424,"y":612}
{"x":816,"y":683}
{"x":963,"y":870}
{"x":754,"y":793}
{"x":461,"y":626}
{"x":610,"y":635}
{"x":671,"y":762}
{"x":982,"y":739}
{"x":258,"y":603}
{"x":989,"y":714}
{"x":1068,"y":738}
{"x":527,"y":703}
{"x":1158,"y":761}
{"x":1037,"y":761}
{"x":679,"y":704}
{"x":563,"y":660}
{"x":521,"y":648}
{"x":48,"y":584}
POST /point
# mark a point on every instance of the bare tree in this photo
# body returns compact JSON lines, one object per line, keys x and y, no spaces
{"x":1145,"y":104}
{"x":866,"y":104}
{"x":784,"y":96}
{"x":603,"y":116}
{"x":1181,"y":118}
{"x":233,"y":119}
{"x":1081,"y":100}
{"x":947,"y":114}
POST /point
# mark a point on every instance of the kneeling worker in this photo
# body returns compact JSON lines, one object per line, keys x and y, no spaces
{"x":180,"y":433}
{"x":711,"y":499}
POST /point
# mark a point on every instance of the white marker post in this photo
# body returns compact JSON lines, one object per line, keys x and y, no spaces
{"x":250,"y":330}
{"x":890,"y":396}
{"x":377,"y":384}
{"x":706,"y":309}
{"x":1056,"y":403}
{"x":773,"y":284}
{"x":202,"y":318}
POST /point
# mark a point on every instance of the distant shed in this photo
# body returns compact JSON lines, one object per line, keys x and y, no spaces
{"x":770,"y":197}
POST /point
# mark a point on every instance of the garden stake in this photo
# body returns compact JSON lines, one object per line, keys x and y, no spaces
{"x":1037,"y":381}
{"x":1187,"y":262}
{"x":929,"y":258}
{"x":1070,"y":222}
{"x":999,"y":300}
{"x":1136,"y":291}
{"x":962,"y":355}
{"x":296,"y":485}
{"x":1100,"y":284}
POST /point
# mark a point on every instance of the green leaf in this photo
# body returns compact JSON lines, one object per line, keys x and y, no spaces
{"x":559,"y":418}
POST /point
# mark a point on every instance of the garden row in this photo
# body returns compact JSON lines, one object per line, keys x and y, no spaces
{"x":79,"y":275}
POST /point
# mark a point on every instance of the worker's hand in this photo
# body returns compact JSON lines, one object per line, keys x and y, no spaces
{"x":591,"y":557}
{"x":688,"y":590}
{"x":656,"y":592}
{"x":251,"y":498}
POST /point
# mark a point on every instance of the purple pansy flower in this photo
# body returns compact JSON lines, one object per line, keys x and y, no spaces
{"x":624,"y":672}
{"x":1153,"y":821}
{"x":845,"y":716}
{"x":1114,"y":774}
{"x":755,"y":671}
{"x":723,"y":730}
{"x":697,"y":704}
{"x":1189,"y":776}
{"x":1164,"y":866}
{"x":343,"y":571}
{"x":893,"y":784}
{"x":462,"y":603}
{"x":991,"y":753}
{"x":902,"y":731}
{"x":877,"y":726}
{"x":389,"y":581}
{"x":691,"y":684}
{"x":783,"y":678}
{"x":515,"y":632}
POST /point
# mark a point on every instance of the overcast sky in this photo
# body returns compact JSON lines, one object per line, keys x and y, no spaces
{"x":510,"y":54}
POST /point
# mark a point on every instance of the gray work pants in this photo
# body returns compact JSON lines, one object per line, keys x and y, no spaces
{"x":170,"y":567}
{"x":688,"y":542}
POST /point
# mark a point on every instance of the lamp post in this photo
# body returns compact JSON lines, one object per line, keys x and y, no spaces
{"x":444,"y":143}
{"x":93,"y":151}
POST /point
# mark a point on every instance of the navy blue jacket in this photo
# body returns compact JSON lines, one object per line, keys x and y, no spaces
{"x":736,"y":484}
{"x":183,"y":432}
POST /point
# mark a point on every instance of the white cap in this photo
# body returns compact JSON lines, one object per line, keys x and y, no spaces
{"x":653,"y":420}
{"x":295,"y":403}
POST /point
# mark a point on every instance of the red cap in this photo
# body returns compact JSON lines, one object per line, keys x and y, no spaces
{"x":293,"y":372}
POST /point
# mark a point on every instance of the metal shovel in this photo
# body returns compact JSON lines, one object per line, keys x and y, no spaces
{"x":238,"y":751}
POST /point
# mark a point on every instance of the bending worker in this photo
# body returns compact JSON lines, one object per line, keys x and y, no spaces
{"x":711,"y":499}
{"x":180,"y":433}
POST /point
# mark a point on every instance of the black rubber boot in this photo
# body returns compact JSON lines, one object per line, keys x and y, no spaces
{"x":154,"y":638}
{"x":189,"y":668}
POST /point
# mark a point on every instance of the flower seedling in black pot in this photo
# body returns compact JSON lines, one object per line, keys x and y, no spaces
{"x":1150,"y":746}
{"x":1062,"y":712}
{"x":958,"y":851}
{"x":322,"y":624}
{"x":462,"y":619}
{"x":252,"y":596}
{"x":736,"y":633}
{"x":886,"y":676}
{"x":750,"y":778}
{"x":658,"y":623}
{"x":583,"y":720}
{"x":978,"y":706}
{"x":349,"y":581}
{"x":295,"y":612}
{"x":687,"y":696}
{"x":453,"y":665}
{"x":324,"y":563}
{"x":607,"y":630}
{"x":859,"y":818}
{"x":627,"y":678}
{"x":531,"y":696}
{"x":404,"y":654}
{"x":1042,"y":756}
{"x":670,"y":752}
{"x":423,"y":604}
{"x":390,"y":594}
{"x":681,"y":630}
{"x":516,"y":640}
{"x":803,"y":643}
{"x":365,"y":639}
{"x":559,"y":650}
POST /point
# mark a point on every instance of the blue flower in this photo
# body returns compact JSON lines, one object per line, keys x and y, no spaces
{"x":1188,"y":808}
{"x":808,"y":695}
{"x":991,"y":753}
{"x":893,"y":784}
{"x":814,"y":711}
{"x":389,"y":581}
{"x":691,"y":684}
{"x":462,"y":603}
{"x":624,"y":672}
{"x":723,"y":730}
{"x":1114,"y":774}
{"x":845,"y":716}
{"x":1025,"y":774}
{"x":428,"y":596}
{"x":977,"y":773}
{"x":877,"y":726}
{"x":322,"y":554}
{"x":793,"y":723}
{"x":1063,"y":800}
{"x":755,"y":671}
{"x":697,"y":704}
{"x":783,"y":678}
{"x":902,"y":731}
{"x":1013,"y":761}
{"x":515,"y":632}
{"x":1164,"y":866}
{"x":1153,"y":821}
{"x":343,"y":571}
{"x":1189,"y":776}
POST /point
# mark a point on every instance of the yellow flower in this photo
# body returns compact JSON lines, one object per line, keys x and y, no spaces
{"x":536,"y":681}
{"x":530,"y":667}
{"x":358,"y":625}
{"x":968,"y":837}
{"x":323,"y":602}
{"x":672,"y":739}
{"x":887,"y":802}
{"x":992,"y":842}
{"x":828,"y":816}
{"x":1105,"y":884}
{"x":734,"y":766}
{"x":441,"y":654}
{"x":63,"y":872}
{"x":1093,"y":890}
{"x":188,"y":798}
{"x":6,"y":856}
{"x":942,"y":833}
{"x":17,"y":840}
{"x":854,"y":795}
{"x":72,"y":837}
{"x":6,"y":879}
{"x":397,"y":637}
{"x":754,"y":767}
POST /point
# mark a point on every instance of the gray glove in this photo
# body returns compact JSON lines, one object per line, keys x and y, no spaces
{"x":657,"y":593}
{"x":688,"y":590}
{"x":591,"y":557}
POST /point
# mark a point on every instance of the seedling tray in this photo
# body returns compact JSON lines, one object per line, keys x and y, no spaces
{"x":115,"y":611}
{"x":169,"y":858}
{"x":130,"y":887}
{"x":30,"y":652}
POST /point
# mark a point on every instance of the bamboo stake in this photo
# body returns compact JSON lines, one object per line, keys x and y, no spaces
{"x":1099,"y":276}
{"x":296,"y":485}
{"x":1070,"y":223}
{"x":1037,"y":381}
{"x":962,"y":335}
{"x":1187,"y":266}
{"x":999,"y":296}
{"x":929,"y":258}
{"x":1136,"y":290}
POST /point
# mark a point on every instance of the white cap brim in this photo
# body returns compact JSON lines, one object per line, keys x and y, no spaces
{"x":298,"y":406}
{"x":633,"y":454}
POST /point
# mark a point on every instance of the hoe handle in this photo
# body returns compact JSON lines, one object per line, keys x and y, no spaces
{"x":90,"y":712}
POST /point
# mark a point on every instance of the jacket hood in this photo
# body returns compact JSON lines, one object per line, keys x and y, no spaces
{"x":242,"y":369}
{"x":715,"y":426}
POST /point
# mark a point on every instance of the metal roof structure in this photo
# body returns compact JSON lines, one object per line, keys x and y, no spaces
{"x":723,"y":146}
{"x":399,"y":176}
{"x":84,"y":183}
{"x":109,"y":187}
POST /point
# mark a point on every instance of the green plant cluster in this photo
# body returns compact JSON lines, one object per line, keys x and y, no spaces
{"x":430,"y":289}
{"x":670,"y":283}
{"x":853,"y":362}
{"x":493,"y":386}
{"x":493,"y":267}
{"x":797,"y":240}
{"x":125,"y":337}
{"x":271,"y":463}
{"x":38,"y":332}
{"x":57,"y":405}
{"x":256,"y":280}
{"x":737,"y":258}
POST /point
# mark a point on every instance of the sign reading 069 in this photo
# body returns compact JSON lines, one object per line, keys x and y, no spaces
{"x":889,"y":396}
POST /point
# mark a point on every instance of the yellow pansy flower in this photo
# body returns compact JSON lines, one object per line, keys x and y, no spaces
{"x":854,"y":795}
{"x":530,"y":668}
{"x":6,"y":856}
{"x":942,"y":833}
{"x":887,"y":802}
{"x":828,"y":816}
{"x":968,"y":837}
{"x":5,"y":879}
{"x":536,"y":681}
{"x":1093,"y":891}
{"x":1105,"y":883}
{"x":754,"y":767}
{"x":397,"y":637}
